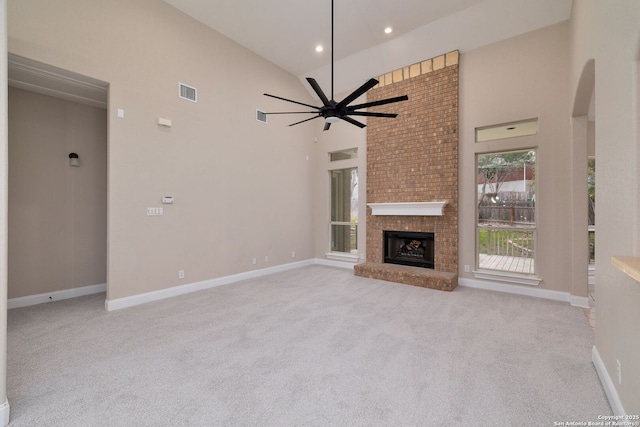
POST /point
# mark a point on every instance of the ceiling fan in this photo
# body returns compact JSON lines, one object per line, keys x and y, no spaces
{"x":333,"y":111}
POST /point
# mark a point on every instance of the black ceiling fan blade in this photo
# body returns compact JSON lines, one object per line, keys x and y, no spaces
{"x":331,"y":110}
{"x":372,"y":114}
{"x":316,"y":87}
{"x":357,"y":93}
{"x":376,"y":103}
{"x":293,"y":112}
{"x":302,"y":121}
{"x":352,"y":121}
{"x":290,"y":100}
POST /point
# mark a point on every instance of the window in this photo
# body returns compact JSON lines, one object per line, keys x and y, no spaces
{"x":351,"y":153}
{"x":507,"y":130}
{"x":344,"y":210}
{"x":506,"y":211}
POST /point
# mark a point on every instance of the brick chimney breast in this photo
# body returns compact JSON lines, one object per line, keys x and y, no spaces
{"x":414,"y":158}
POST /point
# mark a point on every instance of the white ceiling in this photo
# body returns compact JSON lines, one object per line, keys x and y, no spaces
{"x":286,"y":32}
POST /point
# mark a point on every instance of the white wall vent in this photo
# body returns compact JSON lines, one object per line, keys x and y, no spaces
{"x":261,"y":116}
{"x":187,"y":92}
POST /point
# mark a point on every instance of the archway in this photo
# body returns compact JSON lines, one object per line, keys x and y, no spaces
{"x":582,"y":149}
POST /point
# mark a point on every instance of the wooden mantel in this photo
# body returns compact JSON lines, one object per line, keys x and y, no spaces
{"x":408,"y":208}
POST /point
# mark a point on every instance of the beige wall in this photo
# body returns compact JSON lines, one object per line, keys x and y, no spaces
{"x":522,"y":78}
{"x":57,"y":213}
{"x":4,"y":161}
{"x":241,"y":187}
{"x":608,"y":32}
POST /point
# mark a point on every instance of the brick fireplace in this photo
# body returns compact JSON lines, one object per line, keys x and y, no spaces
{"x":412,"y":160}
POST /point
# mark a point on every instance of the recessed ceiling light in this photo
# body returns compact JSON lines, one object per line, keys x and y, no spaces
{"x":388,"y":30}
{"x":319,"y":48}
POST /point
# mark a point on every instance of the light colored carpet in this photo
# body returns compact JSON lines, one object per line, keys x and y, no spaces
{"x":315,"y":346}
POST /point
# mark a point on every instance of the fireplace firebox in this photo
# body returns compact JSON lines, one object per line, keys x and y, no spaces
{"x":409,"y":248}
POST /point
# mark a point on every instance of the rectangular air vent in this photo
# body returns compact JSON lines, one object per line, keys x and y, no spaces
{"x":261,"y":116}
{"x":187,"y":92}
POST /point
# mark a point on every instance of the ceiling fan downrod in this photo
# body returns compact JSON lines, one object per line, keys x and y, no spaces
{"x":333,"y":111}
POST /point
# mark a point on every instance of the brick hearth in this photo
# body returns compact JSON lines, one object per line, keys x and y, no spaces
{"x":416,"y":276}
{"x":414,"y":158}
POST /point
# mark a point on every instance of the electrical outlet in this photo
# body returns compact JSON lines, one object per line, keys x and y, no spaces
{"x":180,"y":274}
{"x":266,"y":258}
{"x":467,"y":268}
{"x":293,"y":254}
{"x":254,"y":261}
{"x":619,"y":372}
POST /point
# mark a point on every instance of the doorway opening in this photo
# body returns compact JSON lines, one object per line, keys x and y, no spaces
{"x":57,"y":243}
{"x":583,"y":228}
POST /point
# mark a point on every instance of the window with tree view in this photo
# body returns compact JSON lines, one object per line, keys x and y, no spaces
{"x":506,"y":211}
{"x":344,"y":210}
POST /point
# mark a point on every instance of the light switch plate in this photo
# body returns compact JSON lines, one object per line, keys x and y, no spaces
{"x":155,"y":211}
{"x":164,"y":122}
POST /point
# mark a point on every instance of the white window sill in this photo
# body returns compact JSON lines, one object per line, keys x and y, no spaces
{"x":342,"y":256}
{"x":520,"y":279}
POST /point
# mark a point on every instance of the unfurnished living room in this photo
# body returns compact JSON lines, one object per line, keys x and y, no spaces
{"x":322,"y":213}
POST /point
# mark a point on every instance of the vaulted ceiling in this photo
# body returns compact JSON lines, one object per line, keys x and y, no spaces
{"x":286,"y":32}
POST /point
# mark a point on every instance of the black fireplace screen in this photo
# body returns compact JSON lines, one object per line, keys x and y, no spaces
{"x":409,"y":248}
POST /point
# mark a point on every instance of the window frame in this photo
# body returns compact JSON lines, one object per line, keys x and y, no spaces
{"x":520,"y":277}
{"x":348,"y":153}
{"x":517,"y":129}
{"x":353,"y":253}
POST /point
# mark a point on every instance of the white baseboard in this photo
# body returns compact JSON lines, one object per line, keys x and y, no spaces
{"x":55,"y":296}
{"x":525,"y":290}
{"x":512,"y":278}
{"x":120,"y":303}
{"x":131,"y":301}
{"x":607,"y":383}
{"x":342,"y":256}
{"x":333,"y":263}
{"x":4,"y":414}
{"x":579,"y":301}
